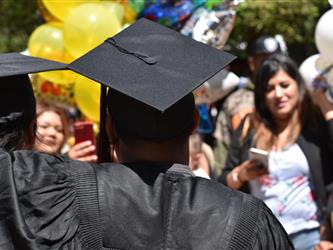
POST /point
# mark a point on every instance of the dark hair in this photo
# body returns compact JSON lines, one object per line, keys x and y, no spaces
{"x":17,"y":113}
{"x":307,"y":110}
{"x":14,"y":132}
{"x":265,"y":72}
{"x":134,"y":120}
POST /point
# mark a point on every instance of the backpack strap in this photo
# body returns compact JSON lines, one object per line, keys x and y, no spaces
{"x":245,"y":226}
{"x":88,"y":206}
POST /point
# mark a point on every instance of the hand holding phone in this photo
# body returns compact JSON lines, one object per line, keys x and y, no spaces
{"x":260,"y":156}
{"x":85,"y":144}
{"x":83,"y":131}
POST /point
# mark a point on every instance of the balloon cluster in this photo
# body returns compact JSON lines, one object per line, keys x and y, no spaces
{"x":317,"y":70}
{"x":74,"y":27}
{"x":207,"y":21}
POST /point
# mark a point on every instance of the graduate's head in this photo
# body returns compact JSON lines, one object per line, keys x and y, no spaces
{"x":139,"y":132}
{"x":17,"y":100}
{"x":151,"y":71}
{"x":134,"y":120}
{"x":17,"y":113}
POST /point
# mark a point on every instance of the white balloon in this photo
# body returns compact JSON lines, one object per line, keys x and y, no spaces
{"x":322,"y":63}
{"x":324,"y":35}
{"x":309,"y":71}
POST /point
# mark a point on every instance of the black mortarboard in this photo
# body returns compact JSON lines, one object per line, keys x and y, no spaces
{"x":151,"y":68}
{"x":17,"y":101}
{"x":152,"y":64}
{"x":12,"y":64}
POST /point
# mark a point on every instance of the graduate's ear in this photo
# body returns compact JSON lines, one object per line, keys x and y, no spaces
{"x":110,"y":130}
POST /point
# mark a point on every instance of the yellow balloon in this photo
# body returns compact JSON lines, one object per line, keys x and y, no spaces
{"x":48,"y":17}
{"x":88,"y":26}
{"x":61,"y":8}
{"x":47,"y":42}
{"x":129,"y":14}
{"x":87,"y":96}
{"x":116,"y":9}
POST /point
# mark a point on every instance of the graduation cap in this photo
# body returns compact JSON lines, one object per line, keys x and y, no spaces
{"x":151,"y":71}
{"x":12,"y":64}
{"x":17,"y":102}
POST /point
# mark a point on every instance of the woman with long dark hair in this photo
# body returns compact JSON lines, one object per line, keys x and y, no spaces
{"x":298,"y":137}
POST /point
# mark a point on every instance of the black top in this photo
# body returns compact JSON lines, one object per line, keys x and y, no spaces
{"x":45,"y":203}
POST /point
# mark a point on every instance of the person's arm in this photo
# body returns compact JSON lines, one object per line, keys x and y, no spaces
{"x":324,"y":245}
{"x":238,"y":169}
{"x":326,"y":107}
{"x":38,"y":204}
{"x":243,"y":173}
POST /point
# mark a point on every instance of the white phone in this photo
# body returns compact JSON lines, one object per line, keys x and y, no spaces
{"x":259,"y":155}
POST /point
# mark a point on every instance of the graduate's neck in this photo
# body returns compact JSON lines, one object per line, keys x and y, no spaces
{"x":166,"y":152}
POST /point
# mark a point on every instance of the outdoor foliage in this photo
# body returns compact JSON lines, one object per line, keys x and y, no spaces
{"x":18,"y":18}
{"x":294,"y":19}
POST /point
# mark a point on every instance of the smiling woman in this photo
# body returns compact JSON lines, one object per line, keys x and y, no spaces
{"x":287,"y":124}
{"x":282,"y":97}
{"x":52,"y":128}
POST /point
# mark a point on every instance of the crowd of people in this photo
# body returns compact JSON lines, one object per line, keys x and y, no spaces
{"x":153,"y":204}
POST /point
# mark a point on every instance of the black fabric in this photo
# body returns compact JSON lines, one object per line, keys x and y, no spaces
{"x":151,"y":124}
{"x":87,"y":200}
{"x":16,"y":112}
{"x":317,"y":148}
{"x":12,"y":64}
{"x":40,"y":208}
{"x":180,"y":64}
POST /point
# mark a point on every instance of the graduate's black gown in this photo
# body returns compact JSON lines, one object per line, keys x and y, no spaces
{"x":49,"y":202}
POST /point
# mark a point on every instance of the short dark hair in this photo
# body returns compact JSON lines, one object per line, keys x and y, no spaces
{"x":133,"y":119}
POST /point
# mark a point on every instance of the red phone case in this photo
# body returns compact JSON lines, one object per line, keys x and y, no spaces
{"x":84,"y":132}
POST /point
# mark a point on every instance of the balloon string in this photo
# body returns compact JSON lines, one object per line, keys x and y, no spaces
{"x":147,"y":59}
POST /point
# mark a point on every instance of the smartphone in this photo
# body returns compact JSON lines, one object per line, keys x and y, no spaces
{"x":83,"y":131}
{"x":259,"y":155}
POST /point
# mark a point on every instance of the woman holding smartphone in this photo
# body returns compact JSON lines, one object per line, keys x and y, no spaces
{"x":53,"y":132}
{"x":298,"y":135}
